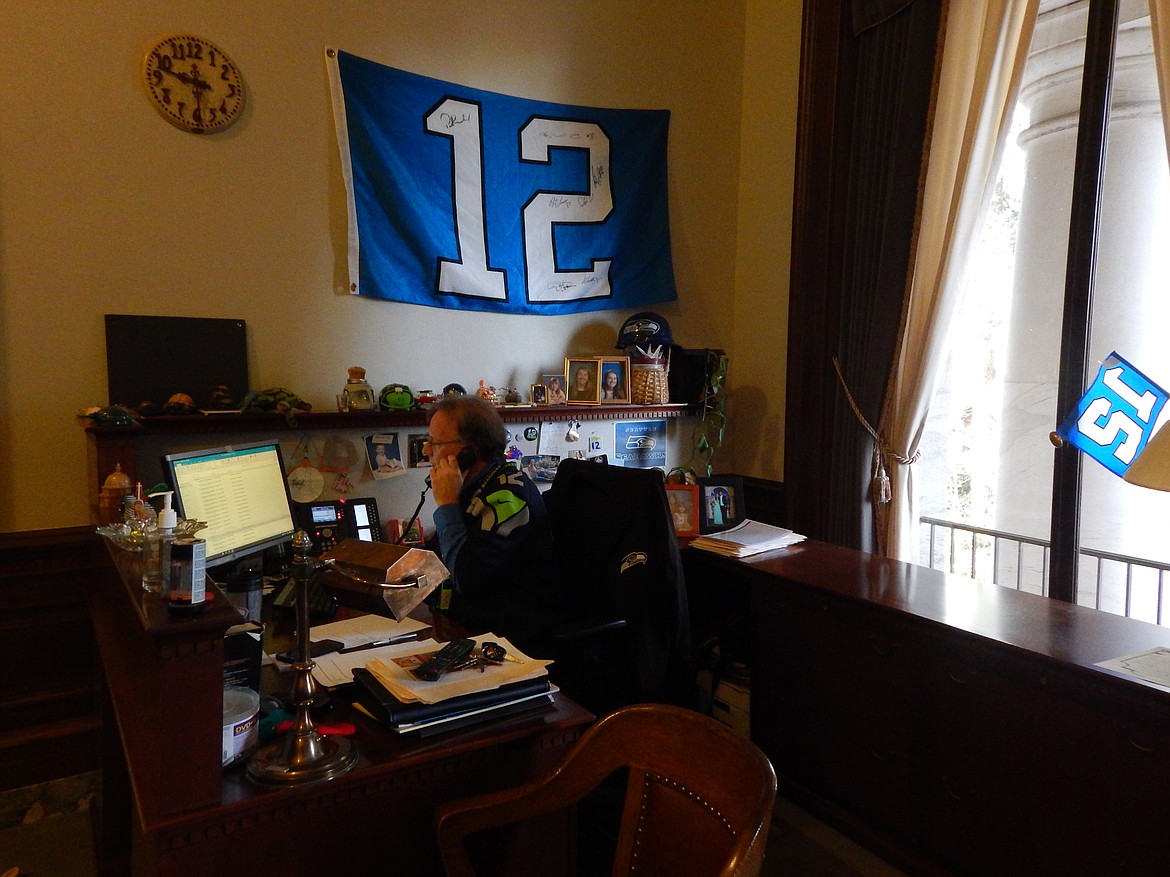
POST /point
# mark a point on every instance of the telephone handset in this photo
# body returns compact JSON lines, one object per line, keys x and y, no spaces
{"x":465,"y":458}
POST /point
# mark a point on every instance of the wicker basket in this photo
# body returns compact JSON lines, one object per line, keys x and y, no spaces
{"x":649,"y":384}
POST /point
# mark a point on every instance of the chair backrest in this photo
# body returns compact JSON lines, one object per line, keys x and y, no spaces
{"x":698,"y":797}
{"x":618,"y":557}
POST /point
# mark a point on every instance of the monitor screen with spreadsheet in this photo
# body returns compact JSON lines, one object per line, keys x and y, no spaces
{"x":239,"y":491}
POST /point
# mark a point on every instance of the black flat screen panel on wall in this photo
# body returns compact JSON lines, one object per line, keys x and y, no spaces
{"x":149,"y":359}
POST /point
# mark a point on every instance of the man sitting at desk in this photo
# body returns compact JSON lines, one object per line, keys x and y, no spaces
{"x":492,"y":527}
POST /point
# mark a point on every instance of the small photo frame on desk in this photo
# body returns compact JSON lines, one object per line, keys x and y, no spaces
{"x":615,"y":380}
{"x":584,"y":381}
{"x":684,"y":508}
{"x":721,"y":503}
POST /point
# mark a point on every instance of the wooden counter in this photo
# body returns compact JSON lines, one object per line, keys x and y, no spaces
{"x":957,"y":728}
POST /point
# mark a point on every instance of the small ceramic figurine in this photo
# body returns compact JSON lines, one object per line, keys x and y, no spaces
{"x":221,"y":399}
{"x":396,"y":397}
{"x":486,"y":392}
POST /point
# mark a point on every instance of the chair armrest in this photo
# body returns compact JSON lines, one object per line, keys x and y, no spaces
{"x":578,"y":630}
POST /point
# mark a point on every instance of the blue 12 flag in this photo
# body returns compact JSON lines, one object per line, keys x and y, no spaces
{"x":1116,"y":416}
{"x":462,"y":198}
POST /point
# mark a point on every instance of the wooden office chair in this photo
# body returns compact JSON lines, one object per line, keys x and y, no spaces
{"x":698,"y":797}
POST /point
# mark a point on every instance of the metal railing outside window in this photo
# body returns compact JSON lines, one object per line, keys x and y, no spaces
{"x":1124,"y":585}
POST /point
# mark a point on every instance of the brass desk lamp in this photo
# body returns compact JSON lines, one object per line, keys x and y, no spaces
{"x":303,"y":755}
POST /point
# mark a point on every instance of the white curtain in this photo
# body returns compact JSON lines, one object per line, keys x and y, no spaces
{"x":1160,"y":28}
{"x":985,"y":45}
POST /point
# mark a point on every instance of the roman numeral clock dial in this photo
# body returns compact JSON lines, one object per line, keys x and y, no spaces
{"x":193,"y":84}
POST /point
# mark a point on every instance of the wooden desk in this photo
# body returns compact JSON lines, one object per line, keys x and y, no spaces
{"x":167,"y":808}
{"x":956,"y":728}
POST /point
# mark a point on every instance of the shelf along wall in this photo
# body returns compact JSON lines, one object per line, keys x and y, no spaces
{"x":335,"y":450}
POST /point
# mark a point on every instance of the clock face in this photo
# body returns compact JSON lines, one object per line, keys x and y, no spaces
{"x":193,"y":83}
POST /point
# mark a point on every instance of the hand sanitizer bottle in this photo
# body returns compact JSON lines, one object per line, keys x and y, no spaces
{"x":158,"y":559}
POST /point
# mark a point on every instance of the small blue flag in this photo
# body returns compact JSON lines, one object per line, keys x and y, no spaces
{"x":1116,"y":416}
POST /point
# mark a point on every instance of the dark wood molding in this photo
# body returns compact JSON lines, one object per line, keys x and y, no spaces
{"x":49,"y":706}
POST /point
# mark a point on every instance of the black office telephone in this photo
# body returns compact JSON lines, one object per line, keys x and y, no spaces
{"x":465,"y":458}
{"x":329,"y":521}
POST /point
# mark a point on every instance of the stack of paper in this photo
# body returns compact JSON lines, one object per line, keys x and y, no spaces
{"x":367,"y":630}
{"x":388,"y":691}
{"x":747,"y":538}
{"x":392,"y":669}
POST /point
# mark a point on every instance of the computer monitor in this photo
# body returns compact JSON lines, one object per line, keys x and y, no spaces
{"x":239,"y":491}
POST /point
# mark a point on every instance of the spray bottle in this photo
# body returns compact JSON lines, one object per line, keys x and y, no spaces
{"x":158,"y":564}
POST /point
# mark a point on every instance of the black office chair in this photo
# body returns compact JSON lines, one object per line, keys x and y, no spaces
{"x":629,"y":637}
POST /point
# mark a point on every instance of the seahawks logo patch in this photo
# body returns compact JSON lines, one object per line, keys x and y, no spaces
{"x":634,"y":558}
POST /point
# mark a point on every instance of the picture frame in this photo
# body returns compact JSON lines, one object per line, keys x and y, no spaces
{"x":582,"y":380}
{"x":721,"y":503}
{"x":615,"y":380}
{"x":384,"y":456}
{"x":556,"y":389}
{"x":683,"y":500}
{"x":416,"y":456}
{"x":538,"y":394}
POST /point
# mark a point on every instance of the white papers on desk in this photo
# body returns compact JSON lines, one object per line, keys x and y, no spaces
{"x":337,"y":668}
{"x":747,"y":538}
{"x":391,"y":666}
{"x":365,"y":630}
{"x":1152,"y":665}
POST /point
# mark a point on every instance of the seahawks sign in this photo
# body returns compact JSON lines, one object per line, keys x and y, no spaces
{"x":463,"y":198}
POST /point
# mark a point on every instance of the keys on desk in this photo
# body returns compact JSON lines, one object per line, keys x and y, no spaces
{"x":444,"y":659}
{"x":481,"y":658}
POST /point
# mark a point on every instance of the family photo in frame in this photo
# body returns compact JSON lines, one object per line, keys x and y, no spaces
{"x":615,"y":380}
{"x":555,"y":385}
{"x":683,"y":500}
{"x":721,"y":502}
{"x":584,"y":381}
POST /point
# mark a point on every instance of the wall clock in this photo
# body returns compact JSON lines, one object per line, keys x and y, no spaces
{"x":193,"y":83}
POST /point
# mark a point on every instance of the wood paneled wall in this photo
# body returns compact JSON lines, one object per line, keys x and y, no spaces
{"x":49,"y":705}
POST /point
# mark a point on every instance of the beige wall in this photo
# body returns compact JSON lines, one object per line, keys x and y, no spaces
{"x":767,"y":159}
{"x":106,"y":208}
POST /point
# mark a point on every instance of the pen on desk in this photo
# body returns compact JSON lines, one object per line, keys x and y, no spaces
{"x":382,"y":642}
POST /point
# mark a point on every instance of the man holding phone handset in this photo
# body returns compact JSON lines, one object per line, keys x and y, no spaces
{"x":491,"y":527}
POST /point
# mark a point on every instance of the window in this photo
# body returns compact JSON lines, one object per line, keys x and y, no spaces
{"x":1066,"y":272}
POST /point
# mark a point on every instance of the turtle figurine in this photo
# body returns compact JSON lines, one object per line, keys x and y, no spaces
{"x":221,"y":399}
{"x":275,"y":399}
{"x":396,"y":397}
{"x":112,"y":415}
{"x":180,"y":404}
